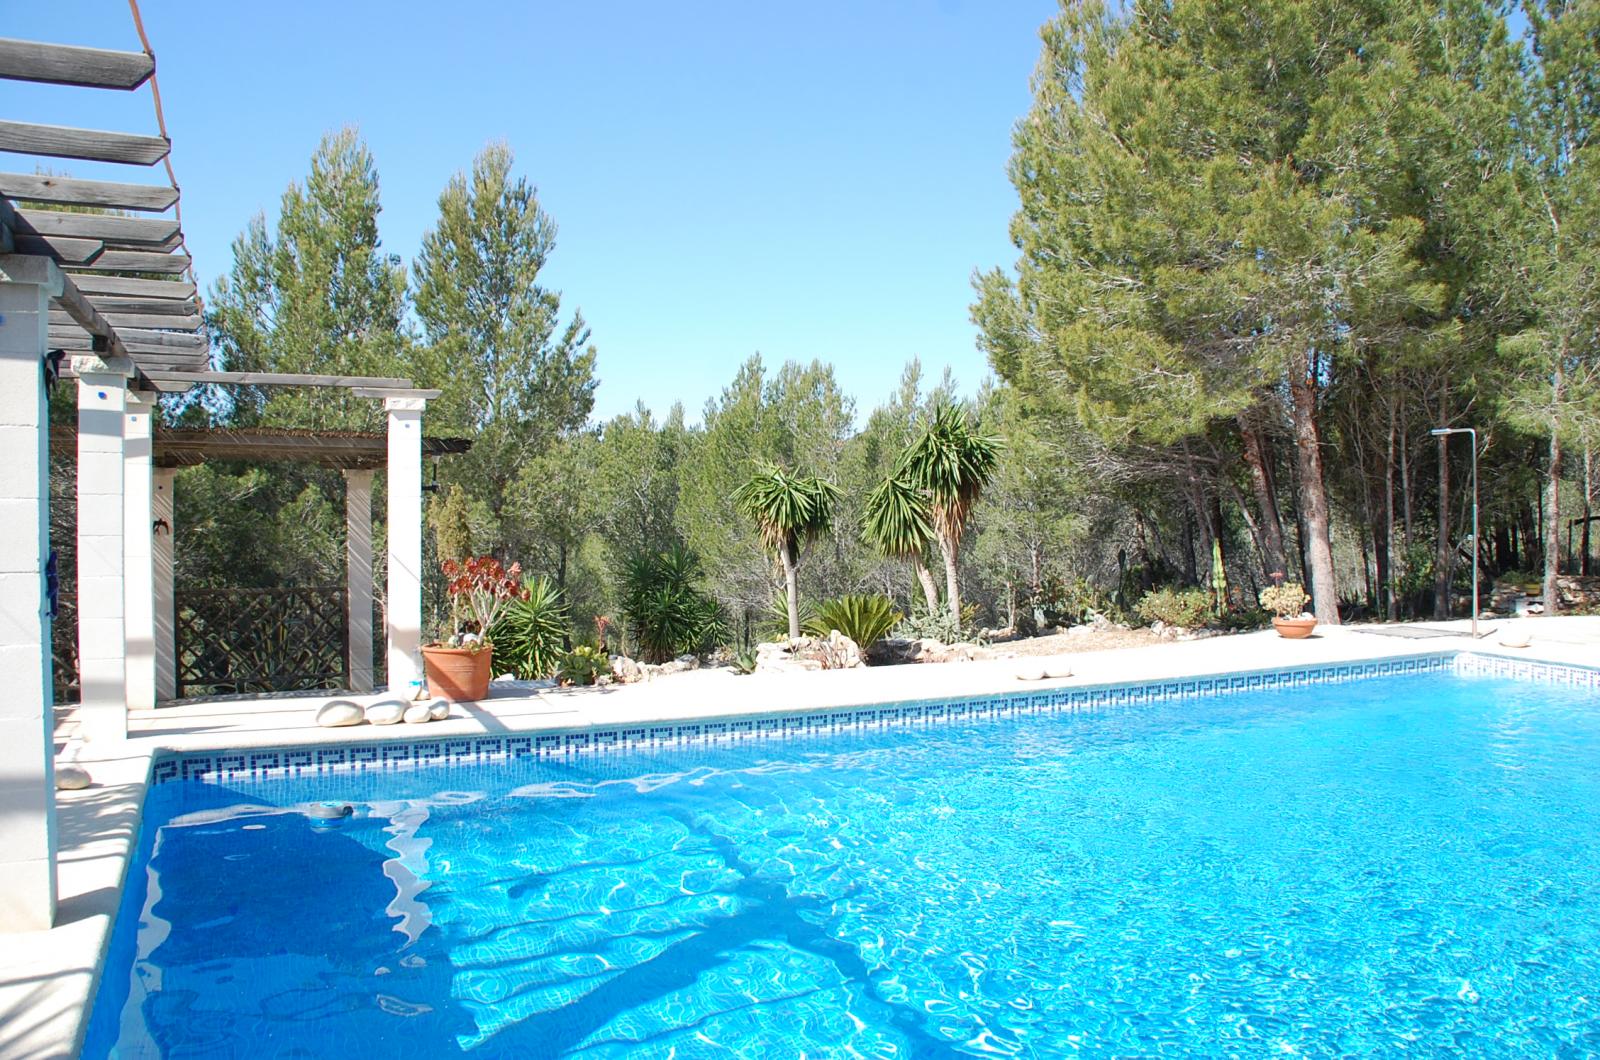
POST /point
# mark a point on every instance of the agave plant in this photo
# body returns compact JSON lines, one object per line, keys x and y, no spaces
{"x":666,"y":612}
{"x":530,"y":635}
{"x":865,"y":618}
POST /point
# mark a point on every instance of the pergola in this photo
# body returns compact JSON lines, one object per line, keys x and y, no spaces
{"x":108,"y":299}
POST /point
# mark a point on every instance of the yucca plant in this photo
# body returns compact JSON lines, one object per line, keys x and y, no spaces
{"x":951,"y":462}
{"x":789,"y":510}
{"x":667,"y":614}
{"x":774,"y":623}
{"x":530,"y":636}
{"x":865,"y":618}
{"x":896,"y":524}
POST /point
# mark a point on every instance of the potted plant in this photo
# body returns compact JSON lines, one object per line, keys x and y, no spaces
{"x":479,"y":588}
{"x":1287,"y":602}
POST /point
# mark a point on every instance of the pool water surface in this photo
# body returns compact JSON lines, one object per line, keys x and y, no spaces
{"x":1396,"y":864}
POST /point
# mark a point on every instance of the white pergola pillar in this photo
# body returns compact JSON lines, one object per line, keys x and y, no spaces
{"x":138,"y":513}
{"x":102,"y":616}
{"x":163,"y":535}
{"x":358,"y":575}
{"x":27,"y":773}
{"x":403,"y":619}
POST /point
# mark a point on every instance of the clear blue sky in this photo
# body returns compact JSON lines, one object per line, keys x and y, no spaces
{"x":807,"y":180}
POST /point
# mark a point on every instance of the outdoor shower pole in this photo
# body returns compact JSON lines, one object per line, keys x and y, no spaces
{"x":1441,"y":432}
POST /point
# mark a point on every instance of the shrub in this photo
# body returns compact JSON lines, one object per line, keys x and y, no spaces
{"x":865,"y":618}
{"x":530,"y":636}
{"x":583,"y":665}
{"x":1188,"y":608}
{"x":1071,"y":603}
{"x":774,"y":623}
{"x":939,"y":626}
{"x":667,"y":614}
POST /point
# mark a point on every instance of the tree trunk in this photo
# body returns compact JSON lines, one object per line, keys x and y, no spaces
{"x":952,"y":579}
{"x":1588,"y":508}
{"x":1387,"y":574}
{"x":1442,"y":554}
{"x":1405,"y":486}
{"x":930,"y":591}
{"x":1271,"y":524}
{"x":792,"y":589}
{"x":1313,"y":494}
{"x":1552,"y":506}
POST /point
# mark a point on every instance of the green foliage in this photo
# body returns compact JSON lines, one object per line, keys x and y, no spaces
{"x":951,"y":461}
{"x":940,"y":626}
{"x":530,"y":636}
{"x":865,"y":618}
{"x":744,"y":661}
{"x":1071,"y":603}
{"x":788,"y":509}
{"x":897,"y":519}
{"x":774,"y":620}
{"x":582,"y":665}
{"x":1286,"y":600}
{"x":1186,"y":608}
{"x":451,"y":520}
{"x":667,"y":613}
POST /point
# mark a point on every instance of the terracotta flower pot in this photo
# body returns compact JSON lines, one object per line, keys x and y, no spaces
{"x":458,"y":674}
{"x":1294,"y":628}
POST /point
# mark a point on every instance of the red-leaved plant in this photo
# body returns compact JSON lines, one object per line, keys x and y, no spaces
{"x":481,"y":587}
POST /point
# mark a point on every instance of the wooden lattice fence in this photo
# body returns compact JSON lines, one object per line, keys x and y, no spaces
{"x":261,"y":640}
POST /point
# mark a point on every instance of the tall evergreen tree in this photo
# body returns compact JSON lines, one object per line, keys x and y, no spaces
{"x":513,"y":375}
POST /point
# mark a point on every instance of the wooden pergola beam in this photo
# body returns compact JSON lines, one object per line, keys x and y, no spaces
{"x":65,"y":64}
{"x":60,"y":249}
{"x":140,"y":337}
{"x":87,"y":317}
{"x":134,"y":287}
{"x":65,"y":191}
{"x":191,"y":322}
{"x":107,"y":228}
{"x":114,"y":304}
{"x":138,"y":261}
{"x":350,"y":382}
{"x":90,"y":145}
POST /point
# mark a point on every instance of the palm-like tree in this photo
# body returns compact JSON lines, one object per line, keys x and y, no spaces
{"x":951,"y":462}
{"x":897,"y":525}
{"x":789,"y":510}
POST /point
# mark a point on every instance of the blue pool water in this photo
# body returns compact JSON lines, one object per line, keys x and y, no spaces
{"x":1406,"y":864}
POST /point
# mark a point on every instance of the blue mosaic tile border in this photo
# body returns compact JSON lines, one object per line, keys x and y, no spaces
{"x":265,"y":764}
{"x":1472,"y":664}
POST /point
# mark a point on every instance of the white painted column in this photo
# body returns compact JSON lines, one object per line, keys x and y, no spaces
{"x":138,"y":515}
{"x":404,"y":615}
{"x":163,"y":531}
{"x":27,"y":772}
{"x":358,"y":575}
{"x":102,"y":617}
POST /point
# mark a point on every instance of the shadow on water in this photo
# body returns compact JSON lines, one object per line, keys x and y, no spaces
{"x":767,"y":911}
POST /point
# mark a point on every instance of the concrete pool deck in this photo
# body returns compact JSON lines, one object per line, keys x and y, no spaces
{"x":47,"y":979}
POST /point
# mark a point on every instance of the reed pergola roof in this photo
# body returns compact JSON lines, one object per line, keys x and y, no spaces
{"x":128,"y":288}
{"x":347,"y":450}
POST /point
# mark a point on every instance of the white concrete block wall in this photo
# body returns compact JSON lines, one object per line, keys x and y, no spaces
{"x":138,"y":555}
{"x":27,"y":781}
{"x":102,"y":615}
{"x":404,"y":599}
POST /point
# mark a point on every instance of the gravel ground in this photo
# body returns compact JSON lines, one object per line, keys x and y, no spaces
{"x":1079,"y":638}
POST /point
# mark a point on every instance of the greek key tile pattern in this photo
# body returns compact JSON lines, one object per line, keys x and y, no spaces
{"x":1470,"y":664}
{"x":252,"y":765}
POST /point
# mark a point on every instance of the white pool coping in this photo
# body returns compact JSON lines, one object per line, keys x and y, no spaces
{"x":48,"y":978}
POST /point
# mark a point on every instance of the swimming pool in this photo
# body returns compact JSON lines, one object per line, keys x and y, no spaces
{"x":1407,"y":862}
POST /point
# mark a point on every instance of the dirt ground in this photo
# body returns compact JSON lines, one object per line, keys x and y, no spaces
{"x":1081,"y":638}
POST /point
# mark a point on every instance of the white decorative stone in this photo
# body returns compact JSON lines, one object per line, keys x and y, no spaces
{"x":71,"y":778}
{"x":387,"y":712}
{"x":1031,"y":672}
{"x":418,"y":713}
{"x":1516,"y":638}
{"x":339,"y":713}
{"x":439,"y":709}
